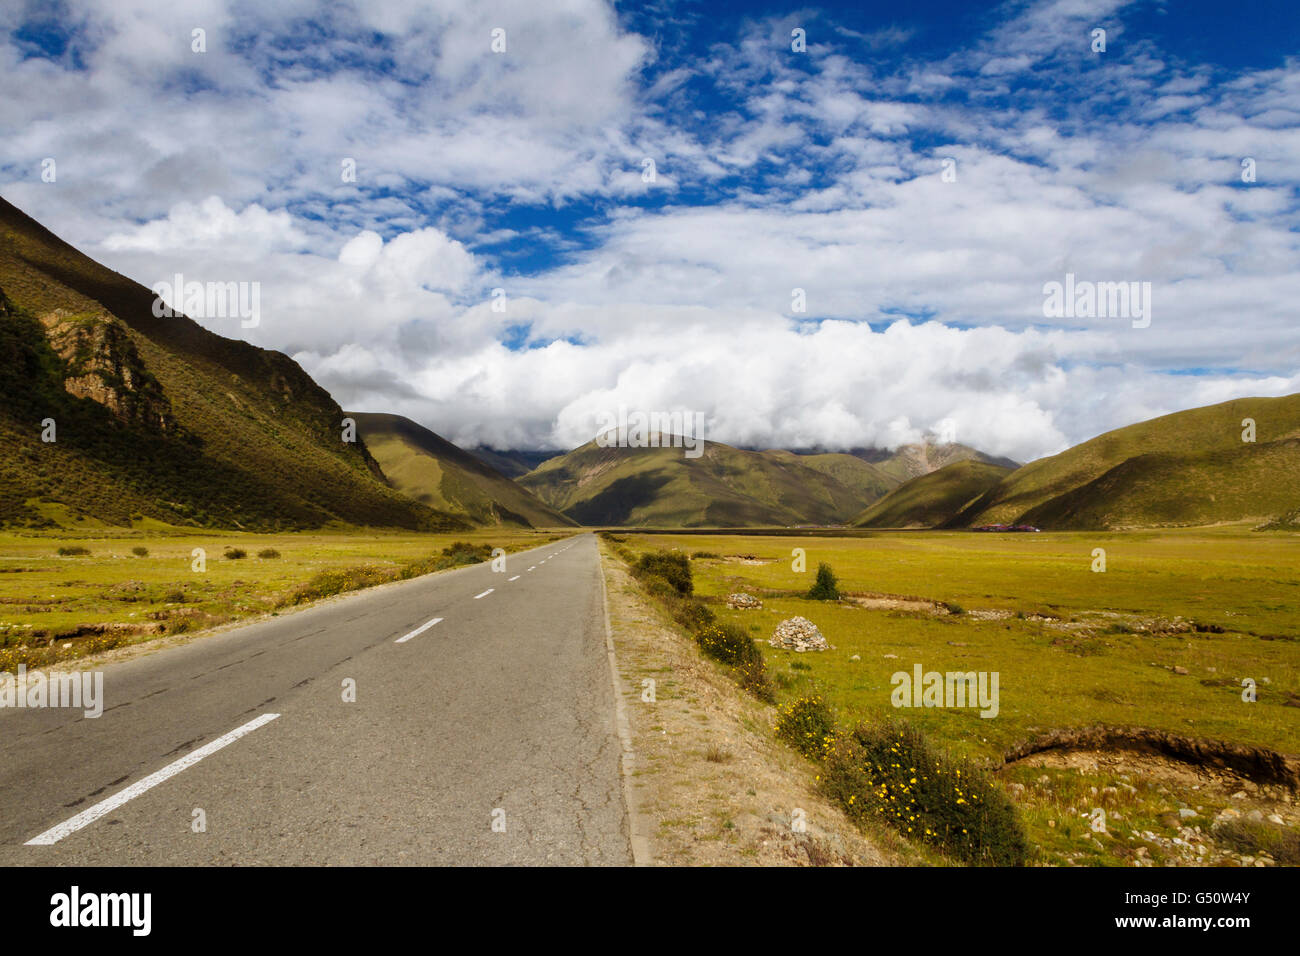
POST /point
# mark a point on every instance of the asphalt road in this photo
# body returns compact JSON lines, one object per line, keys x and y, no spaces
{"x":500,"y":713}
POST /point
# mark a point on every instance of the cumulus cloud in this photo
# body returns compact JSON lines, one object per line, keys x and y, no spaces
{"x":847,"y":248}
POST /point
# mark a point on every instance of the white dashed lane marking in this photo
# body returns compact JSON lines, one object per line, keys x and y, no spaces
{"x":89,"y":816}
{"x":419,"y":630}
{"x":484,"y":594}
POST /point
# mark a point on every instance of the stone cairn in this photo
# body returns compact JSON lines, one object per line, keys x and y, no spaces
{"x":798,"y":634}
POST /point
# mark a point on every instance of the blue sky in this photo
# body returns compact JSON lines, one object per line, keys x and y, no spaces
{"x":775,"y":171}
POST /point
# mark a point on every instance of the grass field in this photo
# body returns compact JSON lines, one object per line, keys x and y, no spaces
{"x":1072,"y":647}
{"x":56,"y":605}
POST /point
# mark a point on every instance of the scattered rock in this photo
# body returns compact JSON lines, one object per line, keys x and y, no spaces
{"x":1187,"y":813}
{"x":1180,"y":670}
{"x":798,"y":634}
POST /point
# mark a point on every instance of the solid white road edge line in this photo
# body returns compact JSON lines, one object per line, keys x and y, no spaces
{"x":419,"y":630}
{"x":87,"y":817}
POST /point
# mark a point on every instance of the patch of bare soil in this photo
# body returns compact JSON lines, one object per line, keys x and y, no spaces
{"x":712,"y":786}
{"x":887,"y":602}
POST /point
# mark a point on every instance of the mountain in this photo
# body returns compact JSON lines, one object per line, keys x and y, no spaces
{"x":1255,"y":482}
{"x":865,"y":481}
{"x":430,"y":469}
{"x":1190,"y":467}
{"x":159,"y":417}
{"x":723,"y":487}
{"x":921,"y":458}
{"x":514,"y":462}
{"x":929,"y":500}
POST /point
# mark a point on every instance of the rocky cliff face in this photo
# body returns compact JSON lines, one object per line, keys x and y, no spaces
{"x":101,"y":363}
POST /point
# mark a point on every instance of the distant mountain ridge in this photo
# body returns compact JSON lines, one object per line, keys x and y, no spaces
{"x":425,"y":466}
{"x":512,"y":462}
{"x":724,"y":486}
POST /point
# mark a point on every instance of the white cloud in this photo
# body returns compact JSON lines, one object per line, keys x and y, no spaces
{"x":822,"y":174}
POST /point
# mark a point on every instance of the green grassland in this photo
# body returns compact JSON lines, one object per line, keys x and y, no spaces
{"x":55,"y":606}
{"x":1074,"y":648}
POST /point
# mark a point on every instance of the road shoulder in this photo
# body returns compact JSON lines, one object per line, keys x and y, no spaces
{"x":707,"y":782}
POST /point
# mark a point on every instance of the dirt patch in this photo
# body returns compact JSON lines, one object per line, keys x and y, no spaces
{"x":886,"y":602}
{"x":1257,"y":764}
{"x":713,"y":784}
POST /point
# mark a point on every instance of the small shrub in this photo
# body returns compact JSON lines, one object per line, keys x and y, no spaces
{"x":703,"y":554}
{"x":954,"y":608}
{"x":891,"y":772}
{"x":825,"y":588}
{"x":234,"y":554}
{"x":692,"y":615}
{"x":807,"y":725}
{"x":140,"y":552}
{"x":728,"y":644}
{"x":673,"y":566}
{"x":463,"y":552}
{"x":268,"y":553}
{"x":716,"y":754}
{"x":73,"y":551}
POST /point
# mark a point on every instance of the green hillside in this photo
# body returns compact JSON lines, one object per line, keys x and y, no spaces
{"x":430,"y":469}
{"x":724,"y":487}
{"x":158,"y":417}
{"x":929,"y":500}
{"x":1254,"y":482}
{"x":866,"y":481}
{"x":1208,"y":439}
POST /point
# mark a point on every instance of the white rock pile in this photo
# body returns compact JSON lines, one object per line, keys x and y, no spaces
{"x":739,"y":600}
{"x":798,"y":634}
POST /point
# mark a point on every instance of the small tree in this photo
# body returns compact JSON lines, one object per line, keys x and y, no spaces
{"x":826,"y":588}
